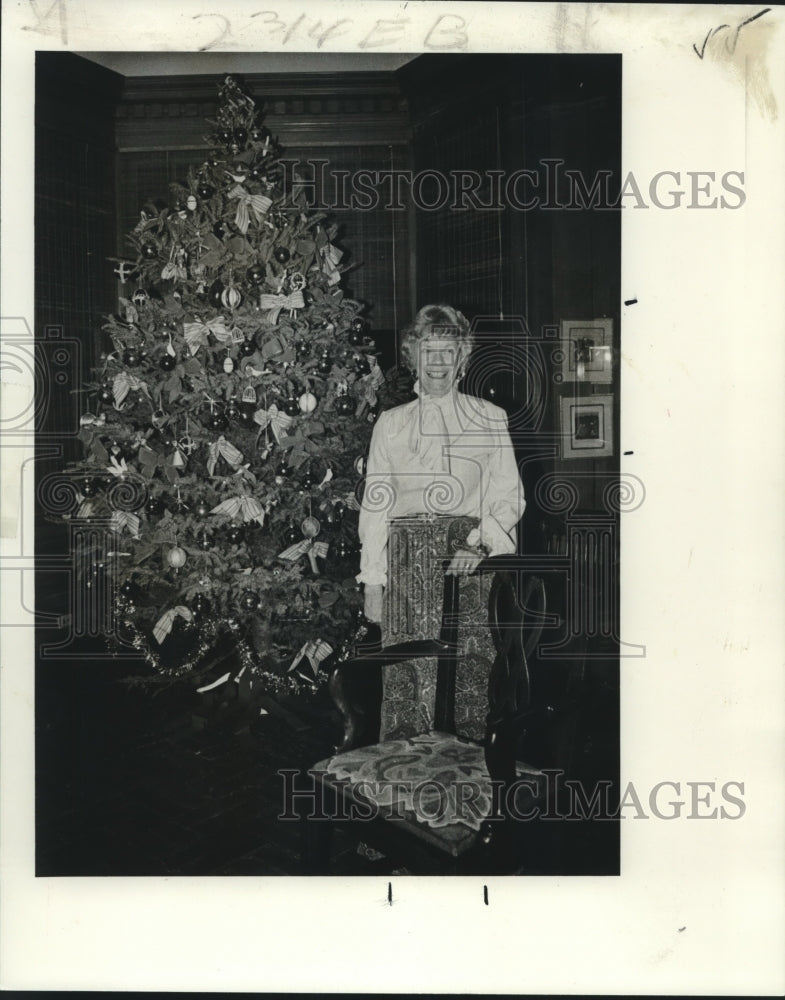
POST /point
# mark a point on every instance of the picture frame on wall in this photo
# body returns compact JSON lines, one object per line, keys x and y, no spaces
{"x":587,"y":350}
{"x":586,"y":426}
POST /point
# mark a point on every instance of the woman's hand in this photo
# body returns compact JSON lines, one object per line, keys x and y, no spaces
{"x":464,"y":562}
{"x":374,"y":592}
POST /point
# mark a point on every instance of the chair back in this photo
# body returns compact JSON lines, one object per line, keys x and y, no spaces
{"x":483,"y":614}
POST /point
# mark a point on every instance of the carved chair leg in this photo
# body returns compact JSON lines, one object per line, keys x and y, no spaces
{"x":317,"y":835}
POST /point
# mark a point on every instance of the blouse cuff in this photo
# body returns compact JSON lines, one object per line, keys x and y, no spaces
{"x":372,"y":578}
{"x":492,"y":534}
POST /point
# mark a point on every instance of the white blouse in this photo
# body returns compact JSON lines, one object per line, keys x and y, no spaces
{"x":443,"y":455}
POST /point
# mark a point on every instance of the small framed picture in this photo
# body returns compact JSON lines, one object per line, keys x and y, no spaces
{"x":586,"y":350}
{"x":587,"y":426}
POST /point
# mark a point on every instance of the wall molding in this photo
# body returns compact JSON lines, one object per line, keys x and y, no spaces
{"x":322,"y":109}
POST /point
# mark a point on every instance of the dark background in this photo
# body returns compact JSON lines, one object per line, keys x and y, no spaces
{"x":105,"y":144}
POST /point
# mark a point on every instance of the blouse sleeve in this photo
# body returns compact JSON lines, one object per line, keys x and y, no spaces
{"x":373,"y":528}
{"x":503,"y":501}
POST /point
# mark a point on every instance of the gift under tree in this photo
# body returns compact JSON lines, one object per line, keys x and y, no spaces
{"x":226,"y":426}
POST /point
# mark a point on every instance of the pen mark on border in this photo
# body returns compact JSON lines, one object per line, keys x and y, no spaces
{"x":735,"y":36}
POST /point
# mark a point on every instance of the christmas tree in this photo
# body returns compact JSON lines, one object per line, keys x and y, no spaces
{"x":225,"y":437}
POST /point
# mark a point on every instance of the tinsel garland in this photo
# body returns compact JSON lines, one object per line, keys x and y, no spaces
{"x":272,"y":682}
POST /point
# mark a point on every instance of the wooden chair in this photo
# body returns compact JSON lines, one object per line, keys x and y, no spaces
{"x":435,"y":800}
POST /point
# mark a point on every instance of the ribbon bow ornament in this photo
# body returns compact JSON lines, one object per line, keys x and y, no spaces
{"x":273,"y":304}
{"x":89,"y":420}
{"x":315,"y":651}
{"x":257,"y":203}
{"x":246,"y":507}
{"x":370,"y":383}
{"x":331,"y":258}
{"x":196,"y":333}
{"x":274,"y":418}
{"x":223,"y":449}
{"x":175,"y":268}
{"x":125,"y":519}
{"x":164,"y":625}
{"x":130,"y":312}
{"x":85,"y":508}
{"x":119,"y":469}
{"x":375,"y":377}
{"x":123,"y":383}
{"x":307,"y":547}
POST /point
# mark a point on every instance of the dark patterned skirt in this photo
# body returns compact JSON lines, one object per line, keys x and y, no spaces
{"x":413,"y":599}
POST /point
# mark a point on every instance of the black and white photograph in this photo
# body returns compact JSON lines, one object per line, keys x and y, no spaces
{"x":320,"y":552}
{"x":365,"y":544}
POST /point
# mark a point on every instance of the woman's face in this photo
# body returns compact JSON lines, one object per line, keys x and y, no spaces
{"x":439,"y":363}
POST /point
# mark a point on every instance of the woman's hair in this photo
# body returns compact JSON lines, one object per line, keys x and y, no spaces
{"x":435,"y":321}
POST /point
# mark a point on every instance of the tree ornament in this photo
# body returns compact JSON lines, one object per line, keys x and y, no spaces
{"x":232,"y":409}
{"x":191,"y":203}
{"x":345,"y":405}
{"x":231,"y":297}
{"x":205,"y":542}
{"x":344,"y":548}
{"x":167,"y":363}
{"x":140,"y":298}
{"x":202,"y":508}
{"x":176,"y":557}
{"x":154,"y":507}
{"x":235,"y":534}
{"x":296,"y":281}
{"x":291,"y":407}
{"x":258,"y":171}
{"x":125,"y":271}
{"x":215,"y":293}
{"x":355,"y":338}
{"x":335,"y":514}
{"x":308,"y":481}
{"x":255,"y":274}
{"x":245,"y":417}
{"x":307,"y":402}
{"x":228,"y":363}
{"x":131,"y":357}
{"x":303,"y":349}
{"x":310,"y":527}
{"x":89,"y":487}
{"x":220,"y":229}
{"x":105,"y":394}
{"x":247,"y":348}
{"x":149,"y":251}
{"x":281,"y":254}
{"x":225,"y":136}
{"x":249,"y":600}
{"x":291,"y":536}
{"x":200,"y":606}
{"x":241,"y":135}
{"x":359,"y":465}
{"x":371,"y":415}
{"x":325,"y":365}
{"x":217,"y":420}
{"x":361,"y":365}
{"x":281,"y":472}
{"x":205,"y":190}
{"x":258,"y":133}
{"x":358,"y":324}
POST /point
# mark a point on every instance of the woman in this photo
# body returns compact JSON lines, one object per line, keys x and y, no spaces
{"x":441,"y":466}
